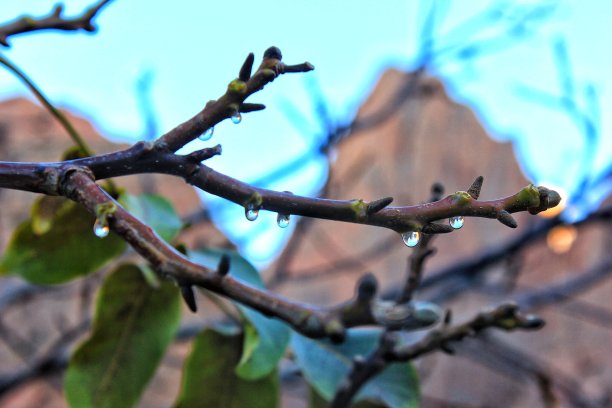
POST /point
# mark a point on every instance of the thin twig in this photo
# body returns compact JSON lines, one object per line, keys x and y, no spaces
{"x":53,"y":21}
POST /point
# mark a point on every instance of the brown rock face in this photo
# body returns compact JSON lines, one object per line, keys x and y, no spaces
{"x":431,"y":139}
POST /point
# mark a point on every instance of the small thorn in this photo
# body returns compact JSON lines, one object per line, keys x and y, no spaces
{"x":251,"y":107}
{"x":247,"y":67}
{"x":377,"y":205}
{"x":189,"y":297}
{"x":224,"y":265}
{"x":505,"y":218}
{"x":474,"y":190}
{"x":448,"y":317}
{"x":57,"y":11}
{"x":366,"y":288}
{"x":437,"y":190}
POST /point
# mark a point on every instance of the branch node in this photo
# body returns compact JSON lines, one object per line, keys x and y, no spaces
{"x":204,"y":154}
{"x":335,"y":330}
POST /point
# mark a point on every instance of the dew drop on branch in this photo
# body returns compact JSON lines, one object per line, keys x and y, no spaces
{"x":100,"y":229}
{"x":411,"y":238}
{"x":282,"y":220}
{"x":236,"y":118}
{"x":456,"y":222}
{"x":208,"y":134}
{"x":251,"y":213}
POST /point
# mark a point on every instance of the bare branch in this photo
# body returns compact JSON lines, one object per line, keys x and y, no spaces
{"x":53,"y":21}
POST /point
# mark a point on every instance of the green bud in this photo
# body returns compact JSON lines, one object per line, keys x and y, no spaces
{"x":461,"y":198}
{"x":237,"y":86}
{"x":529,"y":196}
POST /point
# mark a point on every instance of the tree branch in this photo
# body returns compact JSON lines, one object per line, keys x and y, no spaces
{"x":505,"y":316}
{"x":53,"y":21}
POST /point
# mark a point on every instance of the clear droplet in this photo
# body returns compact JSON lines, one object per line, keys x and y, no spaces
{"x":456,"y":222}
{"x":282,"y":220}
{"x":236,"y":118}
{"x":208,"y":134}
{"x":251,"y":213}
{"x":411,"y":238}
{"x":100,"y":229}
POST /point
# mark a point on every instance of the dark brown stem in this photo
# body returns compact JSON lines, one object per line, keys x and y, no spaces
{"x":53,"y":21}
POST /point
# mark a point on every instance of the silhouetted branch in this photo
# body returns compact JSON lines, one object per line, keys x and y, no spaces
{"x":54,"y":21}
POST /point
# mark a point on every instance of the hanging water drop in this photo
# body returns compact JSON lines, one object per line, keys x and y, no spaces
{"x":208,"y":134}
{"x":251,"y":213}
{"x":100,"y":229}
{"x":282,"y":220}
{"x":236,"y":118}
{"x":456,"y":222}
{"x":411,"y":238}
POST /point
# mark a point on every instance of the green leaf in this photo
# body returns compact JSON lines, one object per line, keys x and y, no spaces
{"x":45,"y":209}
{"x":133,"y":326}
{"x":265,"y":338}
{"x":210,"y":381}
{"x":326,"y":365}
{"x":155,"y":211}
{"x":55,"y":248}
{"x":317,"y":401}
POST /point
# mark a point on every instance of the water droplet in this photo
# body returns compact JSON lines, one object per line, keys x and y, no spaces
{"x":100,"y":229}
{"x":456,"y":222}
{"x":251,"y":213}
{"x":208,"y":134}
{"x":236,"y":118}
{"x":282,"y":220}
{"x":411,"y":238}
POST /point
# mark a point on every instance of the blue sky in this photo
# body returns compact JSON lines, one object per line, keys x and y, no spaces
{"x":193,"y":49}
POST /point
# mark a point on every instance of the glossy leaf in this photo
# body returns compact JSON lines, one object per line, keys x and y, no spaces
{"x":265,"y":338}
{"x":326,"y":365}
{"x":133,"y":326}
{"x":155,"y":211}
{"x":61,"y":247}
{"x":210,"y":381}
